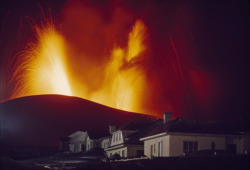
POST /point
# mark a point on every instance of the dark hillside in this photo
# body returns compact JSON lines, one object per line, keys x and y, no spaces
{"x":41,"y":120}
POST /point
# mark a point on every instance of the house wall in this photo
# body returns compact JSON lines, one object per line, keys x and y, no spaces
{"x":132,"y":150}
{"x":238,"y":142}
{"x":77,"y":141}
{"x":77,"y":147}
{"x":117,"y":138}
{"x":172,"y":145}
{"x":246,"y":145}
{"x":155,"y":144}
{"x":118,"y":151}
{"x":242,"y":144}
{"x":204,"y":143}
{"x":105,"y":143}
{"x":90,"y":144}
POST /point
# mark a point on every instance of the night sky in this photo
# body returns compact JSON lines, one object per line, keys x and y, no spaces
{"x":198,"y":59}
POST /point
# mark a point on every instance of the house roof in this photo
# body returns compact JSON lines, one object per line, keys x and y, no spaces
{"x":142,"y":129}
{"x":97,"y":134}
{"x":134,"y":126}
{"x":77,"y":133}
{"x":183,"y":125}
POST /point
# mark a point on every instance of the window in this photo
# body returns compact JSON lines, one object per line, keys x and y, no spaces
{"x":151,"y":150}
{"x":213,"y":146}
{"x":110,"y":154}
{"x":120,"y":136}
{"x":160,"y":148}
{"x":195,"y":146}
{"x":231,"y":148}
{"x":190,"y":147}
{"x":123,"y":153}
{"x":117,"y":137}
{"x":185,"y":147}
{"x":114,"y":138}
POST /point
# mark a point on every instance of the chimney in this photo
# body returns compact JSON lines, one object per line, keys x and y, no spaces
{"x":111,"y":129}
{"x":167,"y":116}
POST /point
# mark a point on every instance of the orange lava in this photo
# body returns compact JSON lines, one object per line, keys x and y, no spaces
{"x":43,"y":69}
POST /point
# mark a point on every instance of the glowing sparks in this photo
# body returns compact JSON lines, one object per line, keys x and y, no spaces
{"x":42,"y":67}
{"x":51,"y":64}
{"x":44,"y":71}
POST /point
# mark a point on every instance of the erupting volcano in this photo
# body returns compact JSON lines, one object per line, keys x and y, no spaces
{"x":144,"y":56}
{"x":42,"y":69}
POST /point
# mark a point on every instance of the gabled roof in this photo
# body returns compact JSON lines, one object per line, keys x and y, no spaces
{"x":97,"y":134}
{"x":77,"y":133}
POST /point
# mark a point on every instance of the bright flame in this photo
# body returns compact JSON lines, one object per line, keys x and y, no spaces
{"x":124,"y":79}
{"x":44,"y":71}
{"x":136,"y":38}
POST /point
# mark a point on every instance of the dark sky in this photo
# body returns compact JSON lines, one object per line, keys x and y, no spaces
{"x":198,"y":61}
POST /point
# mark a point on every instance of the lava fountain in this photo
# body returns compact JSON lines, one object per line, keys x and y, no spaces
{"x":42,"y":69}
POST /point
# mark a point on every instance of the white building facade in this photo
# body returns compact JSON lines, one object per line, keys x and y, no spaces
{"x":179,"y":144}
{"x":97,"y":139}
{"x":181,"y":137}
{"x":77,"y":142}
{"x":125,"y":141}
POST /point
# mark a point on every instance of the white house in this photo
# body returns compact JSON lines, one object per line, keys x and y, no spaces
{"x":106,"y":141}
{"x":77,"y":142}
{"x":180,"y":137}
{"x":97,"y":139}
{"x":125,"y":141}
